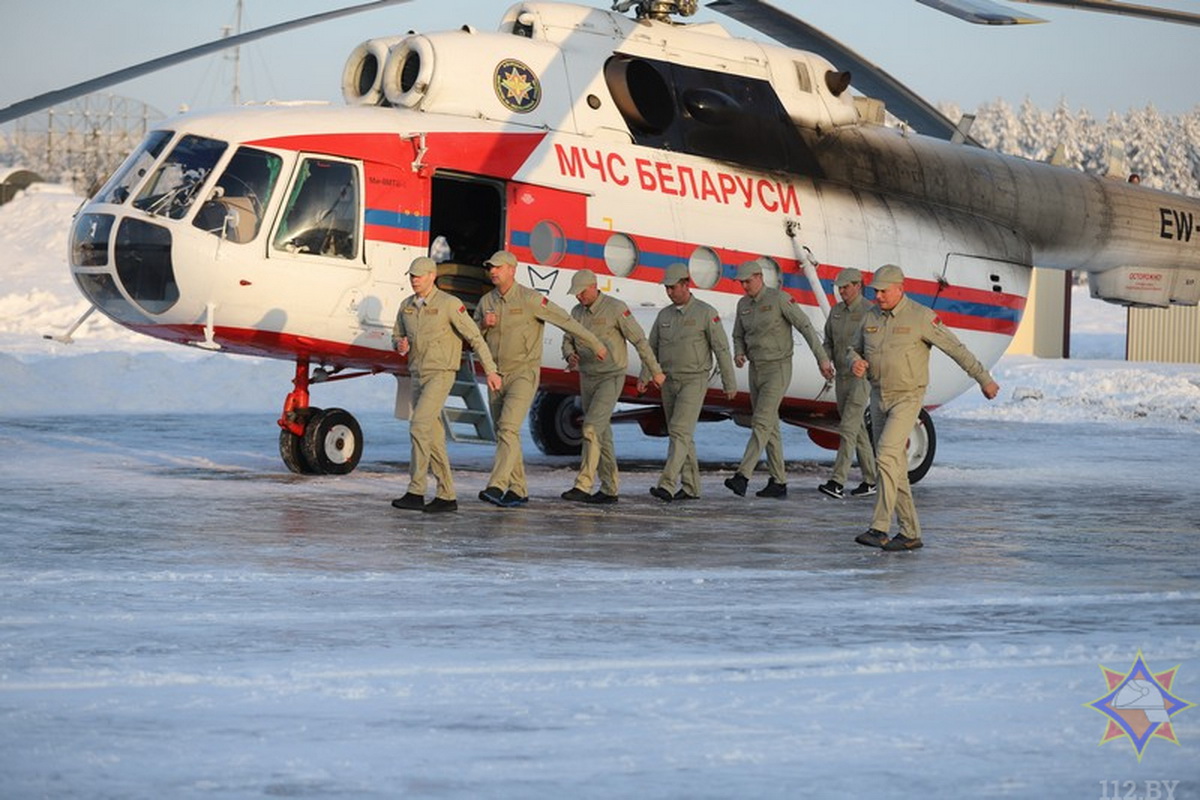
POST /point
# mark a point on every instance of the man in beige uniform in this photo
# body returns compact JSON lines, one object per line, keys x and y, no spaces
{"x":892,"y":350}
{"x":762,"y":334}
{"x":512,"y":317}
{"x":686,"y":336}
{"x":852,"y":393}
{"x":601,"y":382}
{"x":430,"y":328}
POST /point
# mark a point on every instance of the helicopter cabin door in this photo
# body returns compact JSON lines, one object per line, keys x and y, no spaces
{"x":466,"y":225}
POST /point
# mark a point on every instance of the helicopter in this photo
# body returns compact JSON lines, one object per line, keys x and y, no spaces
{"x":621,"y":141}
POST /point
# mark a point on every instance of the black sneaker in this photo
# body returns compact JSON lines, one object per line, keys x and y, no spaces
{"x":602,"y":499}
{"x":682,"y":495}
{"x":737,"y":484}
{"x":872,"y":538}
{"x":773,"y":489}
{"x":863,"y":490}
{"x":902,"y":542}
{"x":661,"y":494}
{"x":493,"y":495}
{"x":832,"y":488}
{"x":410,"y":502}
{"x":511,"y":499}
{"x":576,"y":495}
{"x":440,"y":506}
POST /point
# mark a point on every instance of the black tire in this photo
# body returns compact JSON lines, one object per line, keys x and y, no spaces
{"x":333,"y":442}
{"x":291,"y":446}
{"x":922,"y":445}
{"x":556,"y":423}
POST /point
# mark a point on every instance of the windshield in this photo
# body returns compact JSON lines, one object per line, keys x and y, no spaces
{"x":129,"y":174}
{"x":235,"y":208}
{"x":173,"y":187}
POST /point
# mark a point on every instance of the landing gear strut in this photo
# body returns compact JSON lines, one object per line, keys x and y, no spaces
{"x":314,"y":441}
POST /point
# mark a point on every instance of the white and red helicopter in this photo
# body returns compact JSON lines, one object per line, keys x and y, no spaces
{"x":614,"y":141}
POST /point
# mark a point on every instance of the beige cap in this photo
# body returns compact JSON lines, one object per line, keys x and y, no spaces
{"x":581,"y":280}
{"x":501,"y":258}
{"x":887,"y":275}
{"x":748,"y":268}
{"x":674,"y":274}
{"x":847,"y":277}
{"x":422,"y":266}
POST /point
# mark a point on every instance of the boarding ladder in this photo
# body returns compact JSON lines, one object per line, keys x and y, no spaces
{"x":473,"y":414}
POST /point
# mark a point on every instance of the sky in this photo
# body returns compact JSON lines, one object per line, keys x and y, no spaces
{"x":1100,"y":62}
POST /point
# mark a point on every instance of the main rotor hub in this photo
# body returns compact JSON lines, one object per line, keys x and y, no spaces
{"x":660,"y":10}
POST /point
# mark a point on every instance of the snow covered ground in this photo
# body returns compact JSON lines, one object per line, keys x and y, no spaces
{"x":179,"y":616}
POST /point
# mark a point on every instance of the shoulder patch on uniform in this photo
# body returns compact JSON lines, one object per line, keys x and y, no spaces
{"x":717,"y":318}
{"x":791,"y":300}
{"x":462,"y":309}
{"x":545,"y":300}
{"x":627,"y":313}
{"x":937,"y":320}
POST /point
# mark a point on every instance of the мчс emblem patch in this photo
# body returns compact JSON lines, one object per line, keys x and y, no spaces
{"x":516,"y":86}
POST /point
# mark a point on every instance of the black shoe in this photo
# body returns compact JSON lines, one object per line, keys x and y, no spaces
{"x":602,"y":499}
{"x":410,"y":502}
{"x":576,"y":495}
{"x":439,"y":506}
{"x":682,"y":495}
{"x":662,"y":494}
{"x":902,"y":542}
{"x":832,"y":488}
{"x":511,"y":499}
{"x":872,"y":538}
{"x":863,"y":490}
{"x":773,"y":489}
{"x":737,"y":484}
{"x":493,"y":495}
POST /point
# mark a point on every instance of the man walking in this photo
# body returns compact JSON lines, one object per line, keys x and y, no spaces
{"x":892,"y":350}
{"x":430,"y":329}
{"x":762,"y":335}
{"x":512,"y":318}
{"x":852,"y":393}
{"x":687,"y":336}
{"x":601,"y":382}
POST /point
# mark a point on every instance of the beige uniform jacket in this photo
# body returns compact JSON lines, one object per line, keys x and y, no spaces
{"x":896,"y":347}
{"x":763,"y":328}
{"x":521,"y":315}
{"x":613,"y":323}
{"x":841,"y":329}
{"x":687,"y":338}
{"x":436,"y":329}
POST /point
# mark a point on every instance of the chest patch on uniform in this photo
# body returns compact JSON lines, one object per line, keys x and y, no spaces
{"x":764,"y":309}
{"x":689,"y":323}
{"x":516,"y":311}
{"x":903,"y":329}
{"x":431,"y":310}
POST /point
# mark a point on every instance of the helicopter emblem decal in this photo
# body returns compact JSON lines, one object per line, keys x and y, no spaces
{"x":517,"y":87}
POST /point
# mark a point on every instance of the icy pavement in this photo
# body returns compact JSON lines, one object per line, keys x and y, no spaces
{"x":179,"y":617}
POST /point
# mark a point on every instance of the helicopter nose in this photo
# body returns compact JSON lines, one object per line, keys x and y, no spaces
{"x":123,"y":265}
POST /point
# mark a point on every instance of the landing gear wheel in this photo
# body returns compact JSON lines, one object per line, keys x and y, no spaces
{"x":922,"y":444}
{"x":333,"y":442}
{"x":291,"y":448}
{"x":556,"y":423}
{"x":921,"y":447}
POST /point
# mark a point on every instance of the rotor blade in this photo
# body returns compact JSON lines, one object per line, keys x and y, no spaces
{"x":1128,"y":9}
{"x":120,"y":76}
{"x":900,"y":101}
{"x":981,"y":12}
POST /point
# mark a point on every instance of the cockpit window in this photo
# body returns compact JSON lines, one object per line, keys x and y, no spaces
{"x":236,"y":205}
{"x":171,"y":190}
{"x":321,"y":215}
{"x":130,"y":173}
